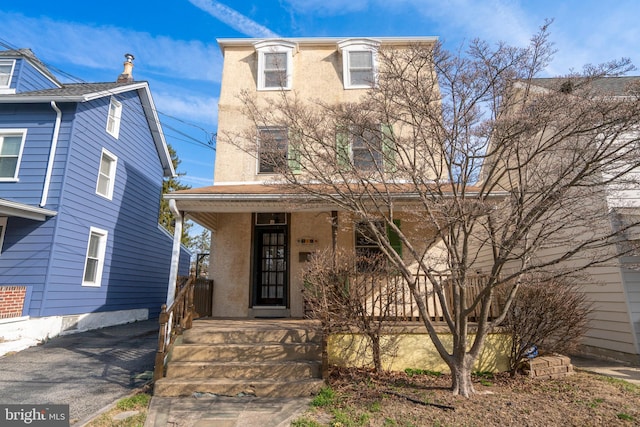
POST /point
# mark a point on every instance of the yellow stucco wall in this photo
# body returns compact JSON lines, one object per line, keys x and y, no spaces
{"x":414,"y":351}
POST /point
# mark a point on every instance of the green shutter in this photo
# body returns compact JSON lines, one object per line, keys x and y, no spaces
{"x":293,"y":154}
{"x":388,"y":148}
{"x":343,"y":156}
{"x":394,"y":238}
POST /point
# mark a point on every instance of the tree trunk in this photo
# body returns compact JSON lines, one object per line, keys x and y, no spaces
{"x":461,"y":376}
{"x":376,"y":352}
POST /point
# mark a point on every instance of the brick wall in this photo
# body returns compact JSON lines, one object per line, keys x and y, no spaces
{"x":12,"y":301}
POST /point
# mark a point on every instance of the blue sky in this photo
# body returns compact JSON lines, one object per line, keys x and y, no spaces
{"x":174,"y":42}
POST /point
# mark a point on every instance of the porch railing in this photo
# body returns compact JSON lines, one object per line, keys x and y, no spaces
{"x":174,"y":320}
{"x":393,"y":300}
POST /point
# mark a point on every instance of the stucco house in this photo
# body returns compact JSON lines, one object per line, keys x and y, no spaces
{"x":262,"y":232}
{"x":81,"y":171}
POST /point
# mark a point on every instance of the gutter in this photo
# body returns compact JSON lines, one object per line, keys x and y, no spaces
{"x":52,"y":154}
{"x":175,"y":252}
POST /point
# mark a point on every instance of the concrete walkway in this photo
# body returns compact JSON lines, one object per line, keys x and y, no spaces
{"x":610,"y":369}
{"x":217,"y":411}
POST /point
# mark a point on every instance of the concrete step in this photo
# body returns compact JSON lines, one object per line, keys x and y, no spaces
{"x":244,"y":352}
{"x":246,"y":370}
{"x":167,"y":387}
{"x":211,"y":335}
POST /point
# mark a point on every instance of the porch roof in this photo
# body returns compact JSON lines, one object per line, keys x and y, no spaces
{"x":10,"y":208}
{"x":201,"y":204}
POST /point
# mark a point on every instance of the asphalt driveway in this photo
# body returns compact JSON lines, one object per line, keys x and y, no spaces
{"x":87,"y":370}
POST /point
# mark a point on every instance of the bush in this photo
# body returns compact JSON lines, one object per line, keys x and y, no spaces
{"x":551,"y":315}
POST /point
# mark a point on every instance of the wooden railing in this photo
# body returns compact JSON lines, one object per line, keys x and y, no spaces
{"x":173,"y":321}
{"x":393,"y":300}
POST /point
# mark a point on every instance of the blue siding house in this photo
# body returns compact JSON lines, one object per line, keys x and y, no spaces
{"x":81,"y":171}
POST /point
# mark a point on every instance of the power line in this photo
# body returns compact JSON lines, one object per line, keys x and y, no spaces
{"x":211,"y":136}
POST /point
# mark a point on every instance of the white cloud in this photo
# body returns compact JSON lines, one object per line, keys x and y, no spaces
{"x":328,"y":7}
{"x":102,"y":48}
{"x":198,"y":109}
{"x":232,"y":18}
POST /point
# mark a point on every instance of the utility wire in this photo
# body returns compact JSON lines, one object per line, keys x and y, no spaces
{"x":211,"y":136}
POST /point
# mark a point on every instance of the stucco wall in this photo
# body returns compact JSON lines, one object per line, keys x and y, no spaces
{"x":414,"y":350}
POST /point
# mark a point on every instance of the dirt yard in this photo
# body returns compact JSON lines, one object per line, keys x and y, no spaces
{"x":358,"y":398}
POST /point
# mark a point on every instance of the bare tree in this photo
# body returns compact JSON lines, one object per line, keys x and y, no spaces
{"x":495,"y":170}
{"x":351,"y":292}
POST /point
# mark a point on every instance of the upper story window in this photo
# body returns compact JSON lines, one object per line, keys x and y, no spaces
{"x":359,"y":63}
{"x":272,"y":149}
{"x":275,"y":64}
{"x":6,"y":71}
{"x":106,"y":174}
{"x":113,"y":119}
{"x":366,"y":148}
{"x":11,"y":146}
{"x":94,"y":260}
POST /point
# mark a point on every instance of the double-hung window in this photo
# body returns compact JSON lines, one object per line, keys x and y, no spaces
{"x":368,"y":252}
{"x":275,"y":64}
{"x":106,"y":174}
{"x":6,"y":71}
{"x":359,"y":63}
{"x":11,"y":146}
{"x":113,"y":118}
{"x":367,"y":147}
{"x":272,"y":149}
{"x":94,"y":260}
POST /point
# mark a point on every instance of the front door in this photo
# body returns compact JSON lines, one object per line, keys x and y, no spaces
{"x":270,"y":261}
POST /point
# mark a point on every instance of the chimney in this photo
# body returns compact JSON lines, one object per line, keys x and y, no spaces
{"x":127,"y":76}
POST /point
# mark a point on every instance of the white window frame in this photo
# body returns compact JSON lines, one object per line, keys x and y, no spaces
{"x":266,"y":47}
{"x":112,"y":174}
{"x":6,"y":87}
{"x":103,"y":235}
{"x":13,"y":132}
{"x":348,"y":46}
{"x":114,"y":117}
{"x":3,"y":230}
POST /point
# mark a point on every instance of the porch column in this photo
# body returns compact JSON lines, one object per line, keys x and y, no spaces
{"x":175,"y":253}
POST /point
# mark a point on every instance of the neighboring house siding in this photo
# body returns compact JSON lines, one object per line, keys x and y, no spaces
{"x":38,"y":120}
{"x":632,"y":286}
{"x":25,"y":256}
{"x":136,"y":263}
{"x":29,"y":78}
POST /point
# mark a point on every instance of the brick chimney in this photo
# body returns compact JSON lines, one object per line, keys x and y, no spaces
{"x":127,"y":76}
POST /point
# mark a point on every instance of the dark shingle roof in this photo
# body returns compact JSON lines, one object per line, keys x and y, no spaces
{"x":75,"y":89}
{"x":31,"y":57}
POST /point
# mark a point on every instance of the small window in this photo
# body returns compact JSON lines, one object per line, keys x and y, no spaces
{"x":359,"y":63}
{"x":106,"y":174}
{"x":275,"y":64}
{"x":113,"y":120}
{"x":6,"y":72}
{"x":11,"y":146}
{"x":279,"y":218}
{"x":272,"y":149}
{"x":3,"y":229}
{"x":94,"y":260}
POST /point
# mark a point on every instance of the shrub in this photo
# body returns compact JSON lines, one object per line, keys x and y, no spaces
{"x":551,"y":315}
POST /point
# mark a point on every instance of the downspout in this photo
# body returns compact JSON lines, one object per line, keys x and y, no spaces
{"x":52,"y":155}
{"x":175,"y":253}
